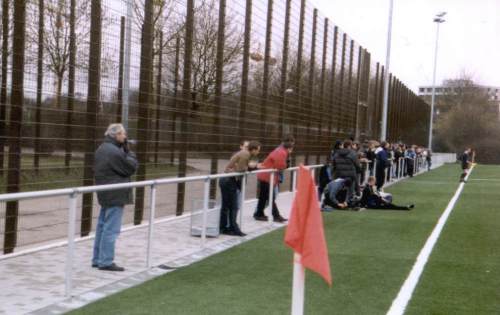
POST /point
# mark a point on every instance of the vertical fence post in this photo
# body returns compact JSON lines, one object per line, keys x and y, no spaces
{"x":244,"y":70}
{"x":206,"y":197}
{"x":152,"y":210}
{"x":271,"y":196}
{"x":70,"y":251}
{"x":405,"y":168}
{"x":242,"y":197}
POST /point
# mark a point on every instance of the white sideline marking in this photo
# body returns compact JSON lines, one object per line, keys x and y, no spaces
{"x":485,"y":179}
{"x":405,"y":293}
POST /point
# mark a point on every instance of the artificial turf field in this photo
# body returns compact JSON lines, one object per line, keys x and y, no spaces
{"x":371,"y":254}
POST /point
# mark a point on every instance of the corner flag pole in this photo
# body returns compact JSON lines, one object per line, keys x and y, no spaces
{"x":298,"y":286}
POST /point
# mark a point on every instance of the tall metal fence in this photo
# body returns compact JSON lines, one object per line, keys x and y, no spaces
{"x":190,"y":79}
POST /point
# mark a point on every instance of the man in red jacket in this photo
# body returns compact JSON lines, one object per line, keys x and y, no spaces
{"x":277,"y":159}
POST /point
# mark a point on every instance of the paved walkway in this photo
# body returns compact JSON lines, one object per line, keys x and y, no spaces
{"x":35,"y":282}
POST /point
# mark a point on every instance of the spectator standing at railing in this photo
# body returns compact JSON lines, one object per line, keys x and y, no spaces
{"x":230,"y":187}
{"x":427,"y":155}
{"x":114,"y":164}
{"x":278,"y":160}
{"x":346,"y":165}
{"x":363,"y":161}
{"x":410,"y":157}
{"x":398,"y":156}
{"x":382,"y":163}
{"x":390,"y":157}
{"x":371,"y":157}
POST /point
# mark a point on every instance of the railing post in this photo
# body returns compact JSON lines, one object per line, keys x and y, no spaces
{"x":367,"y":173}
{"x":313,"y":173}
{"x":206,"y":197}
{"x":70,"y":251}
{"x":152,"y":203}
{"x":401,"y":160}
{"x":242,"y":197}
{"x":271,"y":196}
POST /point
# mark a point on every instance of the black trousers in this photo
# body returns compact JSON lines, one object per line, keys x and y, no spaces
{"x":380,"y":204}
{"x":229,"y":187}
{"x":264,"y":199}
{"x":380,"y":177}
{"x":410,"y":167}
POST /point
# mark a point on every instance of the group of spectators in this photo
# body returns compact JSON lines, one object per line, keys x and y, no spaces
{"x":340,"y":182}
{"x":355,"y":174}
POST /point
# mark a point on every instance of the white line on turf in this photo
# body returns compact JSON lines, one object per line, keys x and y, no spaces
{"x":485,"y":179}
{"x":401,"y":301}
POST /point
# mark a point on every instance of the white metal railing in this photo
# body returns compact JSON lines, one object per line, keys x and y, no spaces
{"x":73,"y":194}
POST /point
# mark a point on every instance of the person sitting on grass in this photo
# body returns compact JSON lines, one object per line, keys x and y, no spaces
{"x":336,"y":194}
{"x":371,"y":199}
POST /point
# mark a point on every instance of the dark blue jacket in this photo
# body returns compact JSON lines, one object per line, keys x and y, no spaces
{"x":382,"y":159}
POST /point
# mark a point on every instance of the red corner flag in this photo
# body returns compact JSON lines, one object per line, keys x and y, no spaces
{"x":304,"y":233}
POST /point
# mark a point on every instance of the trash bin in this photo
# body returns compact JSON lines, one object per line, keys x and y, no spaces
{"x":213,"y":218}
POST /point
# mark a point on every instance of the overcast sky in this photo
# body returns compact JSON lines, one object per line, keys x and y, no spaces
{"x":469,"y":39}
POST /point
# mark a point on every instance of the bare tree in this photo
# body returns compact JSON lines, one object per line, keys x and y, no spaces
{"x":164,"y":19}
{"x":204,"y":62}
{"x":57,"y":39}
{"x":467,"y":117}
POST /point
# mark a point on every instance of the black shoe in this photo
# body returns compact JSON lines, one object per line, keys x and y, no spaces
{"x":227,"y":232}
{"x":279,"y":219}
{"x":411,"y":207}
{"x":261,"y":217}
{"x":112,"y":267}
{"x":239,"y":233}
{"x":95,"y":265}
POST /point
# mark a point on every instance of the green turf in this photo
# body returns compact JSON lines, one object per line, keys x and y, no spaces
{"x":462,"y":275}
{"x":371,"y":253}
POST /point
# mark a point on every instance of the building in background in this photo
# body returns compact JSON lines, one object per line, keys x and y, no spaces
{"x":448,"y":91}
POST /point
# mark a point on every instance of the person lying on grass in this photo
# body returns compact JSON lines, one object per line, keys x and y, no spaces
{"x":371,"y":199}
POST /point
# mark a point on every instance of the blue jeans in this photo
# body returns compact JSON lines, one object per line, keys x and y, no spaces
{"x":229,"y":188}
{"x":108,"y":229}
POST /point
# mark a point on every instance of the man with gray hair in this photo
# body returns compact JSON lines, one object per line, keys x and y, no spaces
{"x":114,"y":163}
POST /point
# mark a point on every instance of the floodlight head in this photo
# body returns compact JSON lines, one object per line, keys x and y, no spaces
{"x":441,"y":14}
{"x":439,"y":20}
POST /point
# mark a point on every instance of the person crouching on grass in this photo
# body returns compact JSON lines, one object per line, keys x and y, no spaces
{"x":114,"y":163}
{"x":336,"y":194}
{"x":277,"y":160}
{"x":230,"y":187}
{"x":371,"y":199}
